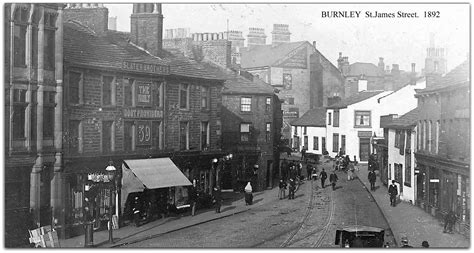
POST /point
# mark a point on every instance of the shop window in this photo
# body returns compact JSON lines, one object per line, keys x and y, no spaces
{"x":48,"y":114}
{"x":329,"y":118}
{"x":128,"y":136}
{"x":75,"y":87}
{"x":184,"y":96}
{"x":244,"y":132}
{"x":336,"y":118}
{"x":268,"y":132}
{"x":268,"y":104}
{"x":184,"y":135}
{"x":434,"y":187}
{"x":107,"y":135}
{"x":205,"y":98}
{"x":205,"y":141}
{"x":362,"y":119}
{"x":315,"y":143}
{"x":108,"y":89}
{"x":246,"y":104}
{"x":128,"y":92}
{"x":335,"y":142}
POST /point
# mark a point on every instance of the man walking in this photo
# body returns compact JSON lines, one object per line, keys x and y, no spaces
{"x":333,"y":179}
{"x":309,"y":169}
{"x":372,"y":177}
{"x":323,"y":176}
{"x":282,"y":186}
{"x":393,"y":192}
{"x":291,"y":193}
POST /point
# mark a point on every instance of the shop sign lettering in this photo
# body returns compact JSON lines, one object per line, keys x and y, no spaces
{"x":145,"y":67}
{"x":143,"y":133}
{"x":142,"y":113}
{"x":144,"y":94}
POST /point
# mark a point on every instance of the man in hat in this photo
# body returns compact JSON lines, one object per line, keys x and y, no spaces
{"x":405,"y":242}
{"x":393,"y":192}
{"x":323,"y":177}
{"x":425,"y":244}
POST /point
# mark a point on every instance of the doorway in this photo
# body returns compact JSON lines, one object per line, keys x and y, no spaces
{"x":364,"y":149}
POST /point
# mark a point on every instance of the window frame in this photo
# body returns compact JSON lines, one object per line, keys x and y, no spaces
{"x":79,"y":129}
{"x":112,"y":133}
{"x":80,"y":88}
{"x":329,"y":118}
{"x":315,"y":143}
{"x":268,"y":104}
{"x":362,"y":112}
{"x":49,"y":106}
{"x":112,"y":91}
{"x":336,"y":118}
{"x":186,"y":135}
{"x":205,"y":127}
{"x":129,"y":87}
{"x":335,"y":142}
{"x":180,"y":99}
{"x":245,"y":134}
{"x":205,"y":94}
{"x":158,"y":93}
{"x":245,"y":102}
{"x":268,"y":132}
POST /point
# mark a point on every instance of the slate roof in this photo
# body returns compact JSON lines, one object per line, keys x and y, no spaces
{"x":408,"y":120}
{"x":237,"y":84}
{"x":356,"y":98}
{"x":266,"y":55}
{"x":82,"y":47}
{"x":457,"y":76}
{"x":314,"y":117}
{"x":367,"y":69}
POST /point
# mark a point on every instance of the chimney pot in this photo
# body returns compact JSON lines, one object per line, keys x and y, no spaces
{"x":314,"y":44}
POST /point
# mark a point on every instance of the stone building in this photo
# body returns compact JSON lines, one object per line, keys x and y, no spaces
{"x":443,"y":150}
{"x":33,"y":115}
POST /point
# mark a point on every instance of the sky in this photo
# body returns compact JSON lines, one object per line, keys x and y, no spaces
{"x":398,"y":40}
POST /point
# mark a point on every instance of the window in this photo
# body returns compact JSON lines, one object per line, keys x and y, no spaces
{"x":408,"y":145}
{"x":305,"y":142}
{"x":244,"y":132}
{"x":343,"y":143}
{"x":397,"y":139}
{"x":205,"y":142}
{"x":128,"y":92}
{"x":184,"y":135}
{"x":323,"y":144}
{"x":335,"y":142}
{"x":268,"y":132}
{"x":34,"y":46}
{"x":436,"y":142}
{"x":362,"y":119}
{"x":107,"y":90}
{"x":429,"y":136}
{"x":158,"y":94}
{"x":246,"y":104}
{"x":315,"y":143}
{"x":402,"y":142}
{"x":75,"y":87}
{"x":407,"y":167}
{"x":304,"y":130}
{"x":128,"y":135}
{"x":329,"y":119}
{"x":107,"y":136}
{"x":156,"y":134}
{"x":19,"y":58}
{"x":418,"y":135}
{"x":75,"y":136}
{"x":183,"y":96}
{"x":423,"y":135}
{"x":268,"y":104}
{"x":336,"y":118}
{"x":205,"y":98}
{"x":18,"y":121}
{"x":49,"y":50}
{"x":48,"y":114}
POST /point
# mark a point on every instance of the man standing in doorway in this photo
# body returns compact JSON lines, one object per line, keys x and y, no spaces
{"x":323,"y":176}
{"x":393,"y":192}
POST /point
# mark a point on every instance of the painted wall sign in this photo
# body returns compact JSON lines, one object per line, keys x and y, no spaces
{"x":144,"y":94}
{"x":290,"y":114}
{"x":146,"y":67}
{"x":297,"y":59}
{"x":365,"y":134}
{"x":143,"y":133}
{"x":142,"y":113}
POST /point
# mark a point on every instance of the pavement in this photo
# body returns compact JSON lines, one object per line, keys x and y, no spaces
{"x":129,"y":234}
{"x":411,"y":221}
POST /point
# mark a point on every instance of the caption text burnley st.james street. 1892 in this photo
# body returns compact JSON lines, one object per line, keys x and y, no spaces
{"x":377,"y":14}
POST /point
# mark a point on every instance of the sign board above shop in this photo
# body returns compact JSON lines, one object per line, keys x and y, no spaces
{"x":142,"y":113}
{"x":146,"y":67}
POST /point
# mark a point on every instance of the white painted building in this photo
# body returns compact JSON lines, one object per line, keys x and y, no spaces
{"x":401,"y":154}
{"x":310,"y":131}
{"x":351,"y":123}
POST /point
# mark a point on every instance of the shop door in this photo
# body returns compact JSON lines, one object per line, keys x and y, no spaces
{"x":420,"y":193}
{"x":226,"y":177}
{"x":364,"y":149}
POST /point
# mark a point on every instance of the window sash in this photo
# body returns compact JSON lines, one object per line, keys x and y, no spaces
{"x":246,"y":104}
{"x":268,"y":136}
{"x":329,"y":119}
{"x":107,"y":82}
{"x":128,"y":135}
{"x":205,"y":97}
{"x":183,"y":96}
{"x":335,"y":143}
{"x":49,"y":49}
{"x":362,"y":119}
{"x":315,"y":143}
{"x":336,"y":118}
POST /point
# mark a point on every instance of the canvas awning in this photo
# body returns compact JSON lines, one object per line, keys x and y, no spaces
{"x":138,"y":175}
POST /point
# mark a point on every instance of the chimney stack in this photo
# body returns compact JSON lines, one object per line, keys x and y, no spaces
{"x":413,"y":68}
{"x":94,"y":16}
{"x":280,"y":34}
{"x":256,"y":37}
{"x":381,"y":65}
{"x":314,"y":44}
{"x":146,"y":24}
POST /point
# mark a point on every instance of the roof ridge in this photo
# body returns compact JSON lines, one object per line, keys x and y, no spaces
{"x":85,"y":27}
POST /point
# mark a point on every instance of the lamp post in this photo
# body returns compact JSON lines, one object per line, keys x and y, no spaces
{"x":111,"y":174}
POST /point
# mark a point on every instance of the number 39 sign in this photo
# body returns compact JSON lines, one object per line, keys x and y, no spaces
{"x":143,"y":133}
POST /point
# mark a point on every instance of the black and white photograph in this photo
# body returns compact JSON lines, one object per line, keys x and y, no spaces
{"x":231,"y":125}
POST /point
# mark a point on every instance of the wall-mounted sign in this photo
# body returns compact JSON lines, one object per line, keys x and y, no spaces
{"x":291,"y":113}
{"x":296,"y":59}
{"x":142,"y":113}
{"x":144,"y":94}
{"x":99,"y":177}
{"x":143,"y":133}
{"x":146,"y":67}
{"x":364,"y":134}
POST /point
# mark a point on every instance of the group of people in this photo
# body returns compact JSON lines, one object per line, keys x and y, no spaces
{"x":332,"y":178}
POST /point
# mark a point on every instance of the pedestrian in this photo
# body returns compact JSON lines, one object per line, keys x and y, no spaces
{"x":303,"y":153}
{"x":323,"y":176}
{"x":393,"y":192}
{"x":193,"y":197}
{"x":218,"y":199}
{"x":405,"y":243}
{"x":248,"y":194}
{"x":314,"y":174}
{"x":425,"y":244}
{"x":291,"y":193}
{"x":449,"y":221}
{"x":282,"y":186}
{"x":136,"y":211}
{"x":333,"y":179}
{"x":309,"y":169}
{"x":372,"y":177}
{"x":350,"y":172}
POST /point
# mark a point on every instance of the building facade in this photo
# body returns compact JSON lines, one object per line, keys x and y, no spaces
{"x":309,"y":131}
{"x":443,"y":150}
{"x":33,"y":111}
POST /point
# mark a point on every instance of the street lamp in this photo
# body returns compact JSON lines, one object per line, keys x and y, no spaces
{"x":111,"y":174}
